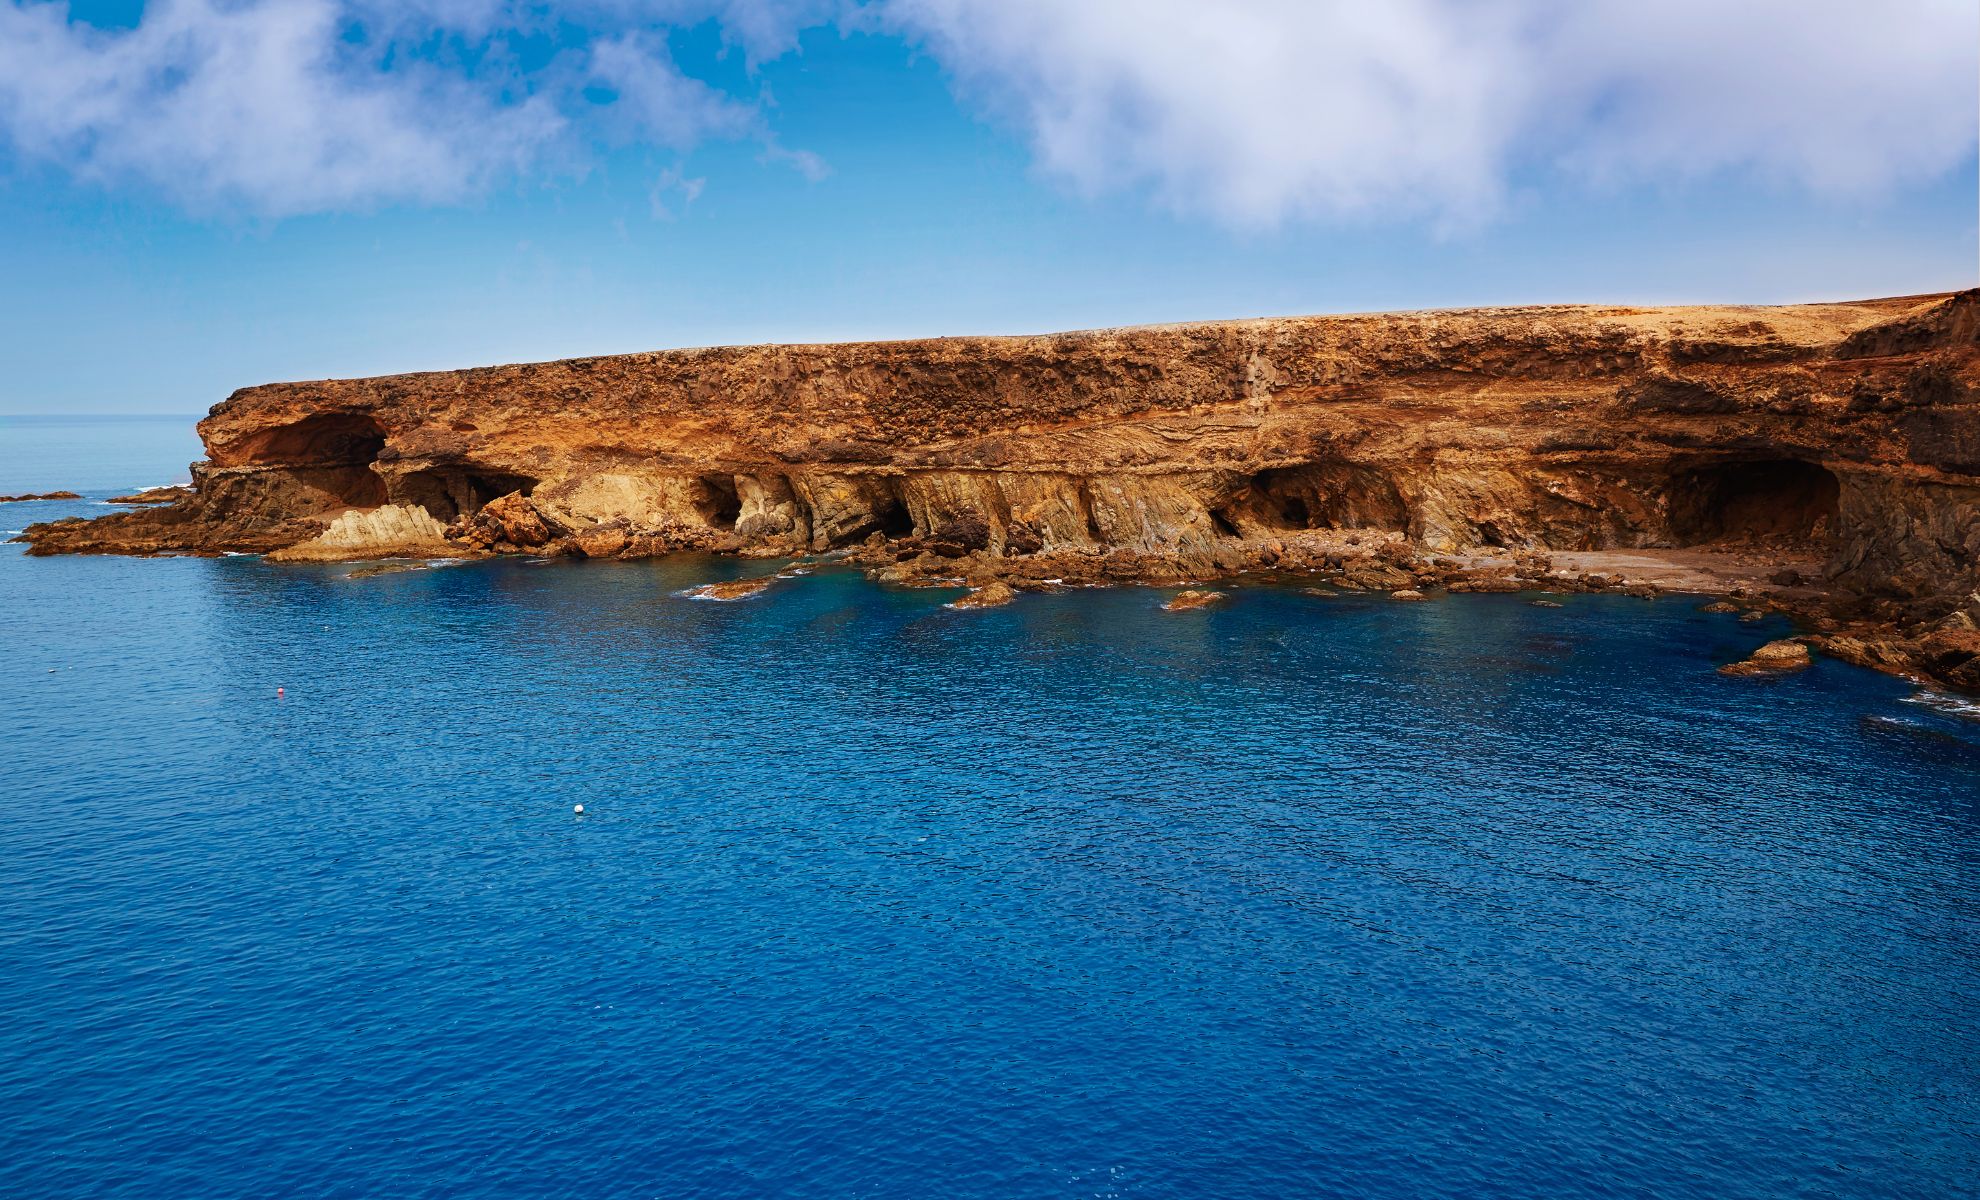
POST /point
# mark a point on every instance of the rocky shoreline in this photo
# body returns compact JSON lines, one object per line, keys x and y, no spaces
{"x":1819,"y":460}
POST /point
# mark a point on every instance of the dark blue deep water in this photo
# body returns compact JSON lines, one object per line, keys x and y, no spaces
{"x":873,"y":898}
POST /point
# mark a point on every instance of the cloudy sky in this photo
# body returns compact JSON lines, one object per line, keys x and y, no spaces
{"x":200,"y":194}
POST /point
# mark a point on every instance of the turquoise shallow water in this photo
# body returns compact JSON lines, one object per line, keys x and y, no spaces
{"x":1294,"y":896}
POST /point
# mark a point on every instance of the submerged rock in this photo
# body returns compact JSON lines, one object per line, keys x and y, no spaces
{"x":391,"y":568}
{"x":1719,"y":606}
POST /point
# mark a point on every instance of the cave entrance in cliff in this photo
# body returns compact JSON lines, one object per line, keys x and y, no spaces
{"x":1765,"y":501}
{"x":456,"y":491}
{"x":333,"y":452}
{"x":716,"y":500}
{"x":1317,"y":496}
{"x":893,"y":519}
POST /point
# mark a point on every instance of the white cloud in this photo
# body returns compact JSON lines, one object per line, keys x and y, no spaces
{"x":1256,"y":111}
{"x":282,"y":107}
{"x":657,"y":104}
{"x":1843,"y":97}
{"x":252,"y":106}
{"x":1252,"y":112}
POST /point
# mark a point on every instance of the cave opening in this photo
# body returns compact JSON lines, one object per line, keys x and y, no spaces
{"x":455,"y":491}
{"x":1317,"y":496}
{"x":895,"y":519}
{"x":716,"y":500}
{"x":329,"y":456}
{"x":326,"y":440}
{"x":1770,"y":500}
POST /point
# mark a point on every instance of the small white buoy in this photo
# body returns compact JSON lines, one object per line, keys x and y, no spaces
{"x":578,"y":809}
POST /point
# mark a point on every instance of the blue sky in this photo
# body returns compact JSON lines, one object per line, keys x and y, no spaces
{"x":200,"y":195}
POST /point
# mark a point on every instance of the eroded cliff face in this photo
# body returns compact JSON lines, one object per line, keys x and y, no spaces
{"x":1847,"y":431}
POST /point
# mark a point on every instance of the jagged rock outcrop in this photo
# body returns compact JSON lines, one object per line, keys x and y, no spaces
{"x":1848,"y":434}
{"x":391,"y":530}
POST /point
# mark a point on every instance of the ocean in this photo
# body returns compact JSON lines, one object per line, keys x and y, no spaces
{"x":1297,"y":895}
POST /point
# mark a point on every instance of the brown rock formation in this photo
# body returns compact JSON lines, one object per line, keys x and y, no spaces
{"x":1190,"y":598}
{"x":169,"y":494}
{"x":1783,"y":655}
{"x":1842,"y":438}
{"x":40,"y":496}
{"x":994,"y":594}
{"x":733,"y":589}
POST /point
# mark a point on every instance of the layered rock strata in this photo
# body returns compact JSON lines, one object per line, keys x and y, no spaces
{"x":1842,"y":436}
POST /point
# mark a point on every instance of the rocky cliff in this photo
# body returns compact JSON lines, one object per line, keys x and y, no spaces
{"x":1846,"y":435}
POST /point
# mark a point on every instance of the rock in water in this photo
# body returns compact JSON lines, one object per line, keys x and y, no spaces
{"x":1183,"y":601}
{"x":990,"y":595}
{"x":1783,"y":655}
{"x":732,"y":589}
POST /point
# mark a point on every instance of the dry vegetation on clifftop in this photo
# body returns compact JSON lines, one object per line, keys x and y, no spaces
{"x":1839,"y":443}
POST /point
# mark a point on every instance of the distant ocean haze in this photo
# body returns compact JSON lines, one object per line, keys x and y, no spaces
{"x":94,"y":453}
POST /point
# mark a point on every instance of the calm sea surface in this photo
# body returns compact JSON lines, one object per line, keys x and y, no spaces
{"x":1076,"y":898}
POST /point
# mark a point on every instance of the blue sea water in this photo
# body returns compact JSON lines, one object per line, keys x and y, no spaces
{"x":1295,"y":896}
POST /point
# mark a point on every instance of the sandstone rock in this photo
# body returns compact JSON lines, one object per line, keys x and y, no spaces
{"x":170,"y":494}
{"x":1191,"y":598}
{"x":509,"y":520}
{"x":1485,"y":583}
{"x":670,"y":539}
{"x":39,"y":496}
{"x":1719,"y":606}
{"x":388,"y":532}
{"x":1783,"y":651}
{"x":990,"y":595}
{"x":605,"y":541}
{"x":1373,"y":576}
{"x":1774,"y":656}
{"x":390,"y":568}
{"x":732,"y":589}
{"x":959,"y":536}
{"x":1752,"y":616}
{"x":1406,"y":594}
{"x":1022,"y":538}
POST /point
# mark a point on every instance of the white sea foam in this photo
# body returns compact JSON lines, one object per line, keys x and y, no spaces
{"x":1964,"y":707}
